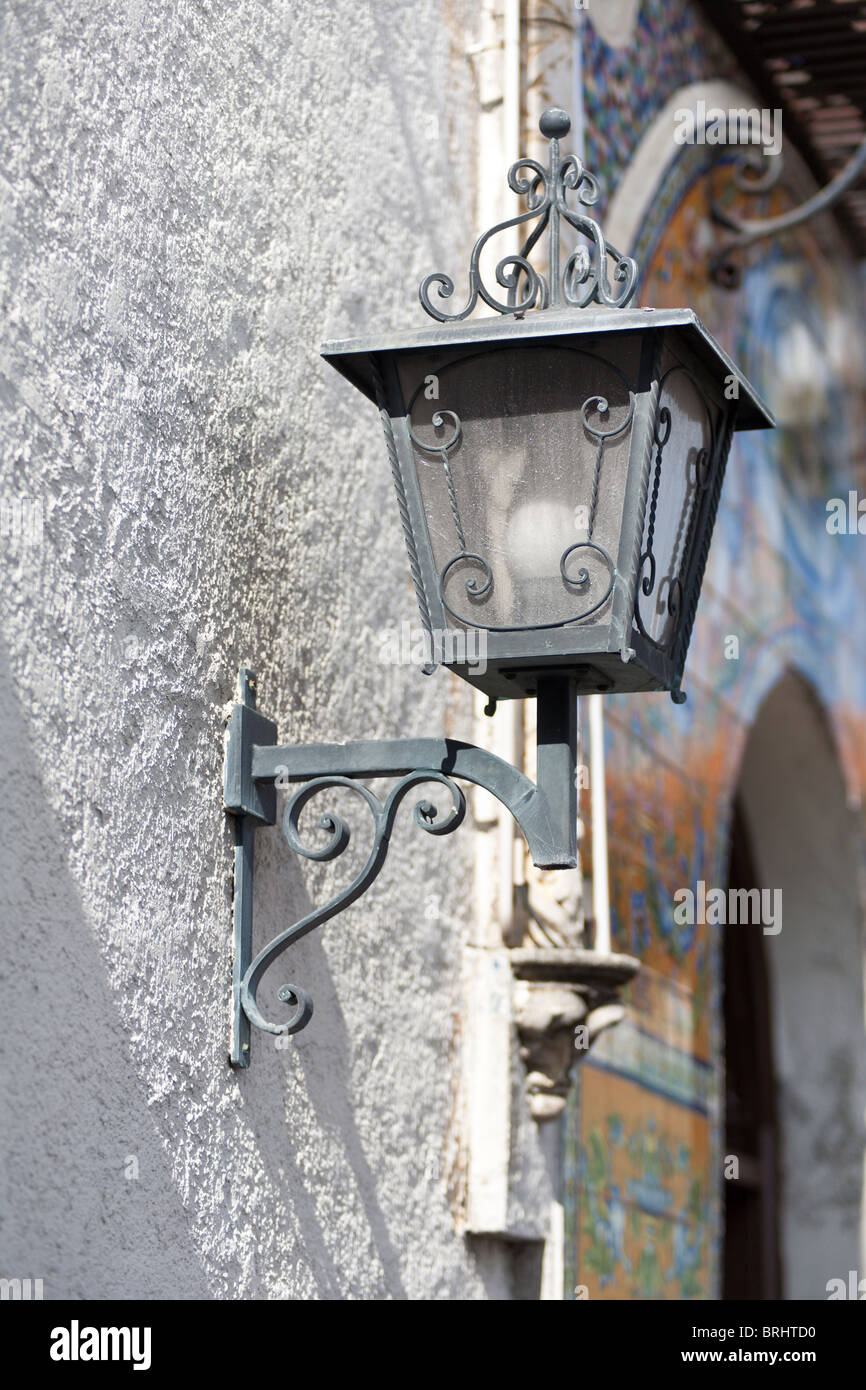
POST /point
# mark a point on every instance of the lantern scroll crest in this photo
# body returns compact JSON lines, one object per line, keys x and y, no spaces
{"x":582,"y":280}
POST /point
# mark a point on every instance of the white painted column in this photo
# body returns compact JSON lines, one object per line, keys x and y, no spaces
{"x":598,"y":802}
{"x":553,"y":1260}
{"x":487,"y":967}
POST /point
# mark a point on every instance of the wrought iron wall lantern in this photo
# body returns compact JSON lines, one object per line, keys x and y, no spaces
{"x":558,"y":471}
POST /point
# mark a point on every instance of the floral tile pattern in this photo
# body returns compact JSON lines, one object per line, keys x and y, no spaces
{"x":643,"y":1153}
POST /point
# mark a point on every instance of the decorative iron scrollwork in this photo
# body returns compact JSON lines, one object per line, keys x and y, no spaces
{"x":703,"y":477}
{"x":411,"y":549}
{"x":758,"y":173}
{"x":255,"y":767}
{"x":480,"y":585}
{"x":383,"y":813}
{"x":584,"y":277}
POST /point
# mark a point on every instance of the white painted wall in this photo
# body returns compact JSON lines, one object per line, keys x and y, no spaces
{"x":192,"y":198}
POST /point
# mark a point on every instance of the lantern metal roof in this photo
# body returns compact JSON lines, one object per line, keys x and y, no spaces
{"x":352,"y":356}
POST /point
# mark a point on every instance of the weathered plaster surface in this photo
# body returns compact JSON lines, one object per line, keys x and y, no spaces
{"x":194,"y":197}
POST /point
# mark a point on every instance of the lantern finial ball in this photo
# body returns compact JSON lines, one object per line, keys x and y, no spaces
{"x":555,"y":123}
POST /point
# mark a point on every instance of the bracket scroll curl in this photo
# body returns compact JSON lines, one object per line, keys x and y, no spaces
{"x":758,"y":174}
{"x":383,"y":814}
{"x":585,"y":276}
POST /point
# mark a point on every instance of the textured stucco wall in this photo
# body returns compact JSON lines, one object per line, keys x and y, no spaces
{"x":193,"y":197}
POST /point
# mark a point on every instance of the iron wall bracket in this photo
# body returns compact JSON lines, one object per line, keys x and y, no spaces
{"x":725,"y":268}
{"x":255,"y":766}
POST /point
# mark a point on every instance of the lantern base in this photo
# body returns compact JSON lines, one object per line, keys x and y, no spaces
{"x":640,"y":666}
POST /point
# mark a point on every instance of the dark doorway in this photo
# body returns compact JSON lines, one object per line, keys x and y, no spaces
{"x":751,"y":1245}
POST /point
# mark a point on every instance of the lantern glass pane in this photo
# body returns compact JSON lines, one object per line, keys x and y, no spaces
{"x":522,"y":455}
{"x":680,"y":471}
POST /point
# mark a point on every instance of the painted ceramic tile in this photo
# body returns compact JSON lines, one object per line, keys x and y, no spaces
{"x":643,"y":1144}
{"x":640,"y":1182}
